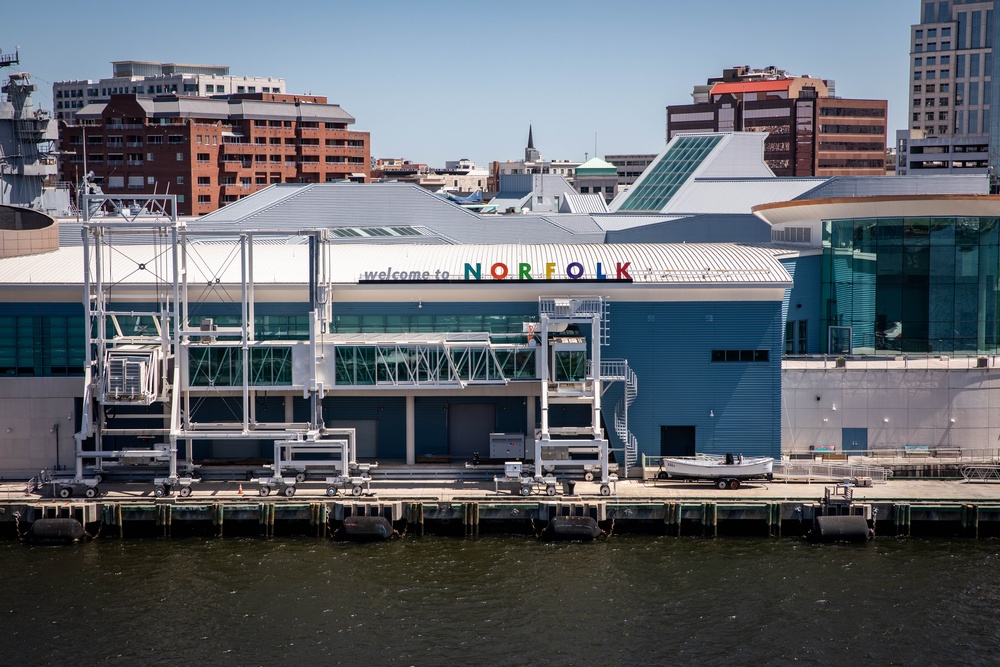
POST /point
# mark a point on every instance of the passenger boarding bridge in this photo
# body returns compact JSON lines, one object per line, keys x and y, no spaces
{"x":151,"y":360}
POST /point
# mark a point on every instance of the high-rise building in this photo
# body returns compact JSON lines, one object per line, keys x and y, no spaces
{"x":951,"y":70}
{"x":155,"y":78}
{"x":210,"y":152}
{"x":811,"y":132}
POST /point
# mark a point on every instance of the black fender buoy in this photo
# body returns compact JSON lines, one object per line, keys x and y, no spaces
{"x":365,"y":529}
{"x":852,"y":528}
{"x":56,"y":531}
{"x":571,"y":528}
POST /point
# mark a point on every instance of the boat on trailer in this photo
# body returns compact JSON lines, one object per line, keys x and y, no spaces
{"x":726,"y":472}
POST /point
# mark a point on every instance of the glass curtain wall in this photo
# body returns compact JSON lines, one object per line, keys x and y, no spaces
{"x":917,"y":285}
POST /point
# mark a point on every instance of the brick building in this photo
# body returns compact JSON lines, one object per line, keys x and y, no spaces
{"x":811,"y":132}
{"x":210,"y":152}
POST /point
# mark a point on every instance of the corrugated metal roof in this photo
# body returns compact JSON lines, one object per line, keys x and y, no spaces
{"x":737,"y":195}
{"x":702,"y":228}
{"x":183,"y":106}
{"x":297,"y":206}
{"x":575,"y":223}
{"x":690,"y":263}
{"x":584,"y":203}
{"x":873,"y":186}
{"x":617,"y":221}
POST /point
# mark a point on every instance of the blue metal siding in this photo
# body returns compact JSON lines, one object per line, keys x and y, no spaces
{"x":669,"y":347}
{"x":388,"y":411}
{"x":431,"y":419}
{"x":806,"y":290}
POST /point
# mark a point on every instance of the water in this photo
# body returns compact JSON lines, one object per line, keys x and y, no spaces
{"x":500,"y":601}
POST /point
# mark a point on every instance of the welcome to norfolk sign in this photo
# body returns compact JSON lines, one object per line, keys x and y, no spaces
{"x":501,"y":271}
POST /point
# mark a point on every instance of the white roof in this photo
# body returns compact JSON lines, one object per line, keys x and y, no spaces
{"x":712,"y":195}
{"x":677,"y":263}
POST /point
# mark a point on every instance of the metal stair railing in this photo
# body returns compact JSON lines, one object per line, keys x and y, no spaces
{"x":621,"y":417}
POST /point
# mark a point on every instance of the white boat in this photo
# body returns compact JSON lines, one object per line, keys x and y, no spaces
{"x":726,"y":471}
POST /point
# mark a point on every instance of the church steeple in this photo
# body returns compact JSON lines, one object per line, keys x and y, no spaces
{"x":530,"y":154}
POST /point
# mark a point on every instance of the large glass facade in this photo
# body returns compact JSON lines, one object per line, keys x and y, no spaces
{"x":918,"y":285}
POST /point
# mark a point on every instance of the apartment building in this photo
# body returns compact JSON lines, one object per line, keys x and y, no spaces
{"x":211,"y":152}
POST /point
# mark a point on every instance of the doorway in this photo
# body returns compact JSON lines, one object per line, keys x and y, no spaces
{"x":469,"y":428}
{"x":854,"y":440}
{"x":677,"y":441}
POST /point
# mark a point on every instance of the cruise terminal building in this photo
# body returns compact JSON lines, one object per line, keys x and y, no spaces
{"x":703,"y":313}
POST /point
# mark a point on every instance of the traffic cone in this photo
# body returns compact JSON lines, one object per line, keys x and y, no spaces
{"x":241,"y":489}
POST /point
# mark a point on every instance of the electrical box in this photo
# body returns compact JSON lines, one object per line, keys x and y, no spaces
{"x":506,"y":445}
{"x":512,"y":469}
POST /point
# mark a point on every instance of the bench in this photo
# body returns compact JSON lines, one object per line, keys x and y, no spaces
{"x":947,"y":451}
{"x":916,"y":450}
{"x":834,"y":457}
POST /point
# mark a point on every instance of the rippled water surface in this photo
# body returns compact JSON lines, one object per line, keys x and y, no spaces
{"x":501,"y":601}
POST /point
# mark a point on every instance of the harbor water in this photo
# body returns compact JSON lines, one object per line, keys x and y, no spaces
{"x":501,"y":601}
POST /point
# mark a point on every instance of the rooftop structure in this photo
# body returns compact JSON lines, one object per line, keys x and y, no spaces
{"x":139,"y":77}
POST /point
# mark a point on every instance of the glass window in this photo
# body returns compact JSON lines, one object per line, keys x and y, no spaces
{"x":974,"y":30}
{"x":973,"y":64}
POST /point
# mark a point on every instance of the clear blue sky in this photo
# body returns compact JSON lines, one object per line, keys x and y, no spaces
{"x":434,"y":81}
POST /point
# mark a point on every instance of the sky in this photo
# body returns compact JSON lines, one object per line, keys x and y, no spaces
{"x":435,"y":81}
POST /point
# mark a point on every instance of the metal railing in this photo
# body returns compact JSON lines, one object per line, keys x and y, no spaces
{"x":809,"y":470}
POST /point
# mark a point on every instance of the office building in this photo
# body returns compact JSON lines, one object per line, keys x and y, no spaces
{"x":951,"y":93}
{"x":810,"y":132}
{"x":136,"y":77}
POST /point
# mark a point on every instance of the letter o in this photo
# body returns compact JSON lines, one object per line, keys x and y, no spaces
{"x":499,"y":271}
{"x":577,"y":273}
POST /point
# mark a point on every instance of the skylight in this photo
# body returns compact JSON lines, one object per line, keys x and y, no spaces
{"x":666,"y":176}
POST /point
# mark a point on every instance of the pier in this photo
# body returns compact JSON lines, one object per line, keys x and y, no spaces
{"x":905,"y":508}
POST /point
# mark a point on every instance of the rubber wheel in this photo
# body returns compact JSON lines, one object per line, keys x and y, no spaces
{"x":525,"y":490}
{"x":588,"y":476}
{"x":734,"y":484}
{"x":605,"y":490}
{"x":265,"y":491}
{"x":184,"y":492}
{"x":331,"y":491}
{"x":550,"y":490}
{"x":159,"y":491}
{"x":356,"y":491}
{"x":722,"y":484}
{"x":65,"y":492}
{"x":289,"y":491}
{"x":301,"y":477}
{"x":91,"y":492}
{"x":662,"y":474}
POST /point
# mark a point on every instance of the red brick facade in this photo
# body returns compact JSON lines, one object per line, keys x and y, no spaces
{"x":210,"y":152}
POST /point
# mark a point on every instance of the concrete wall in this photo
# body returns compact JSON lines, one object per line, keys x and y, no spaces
{"x":935,"y":407}
{"x":30,"y":410}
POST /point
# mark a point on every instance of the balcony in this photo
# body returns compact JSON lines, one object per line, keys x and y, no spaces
{"x":135,"y":163}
